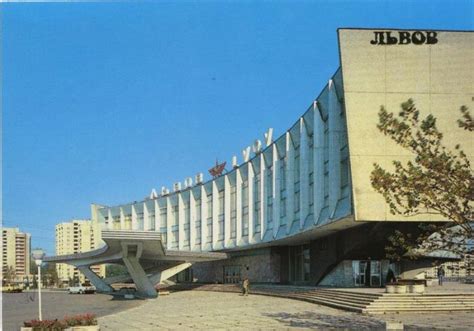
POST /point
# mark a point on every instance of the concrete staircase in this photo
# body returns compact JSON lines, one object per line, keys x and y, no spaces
{"x":390,"y":303}
{"x":356,"y":301}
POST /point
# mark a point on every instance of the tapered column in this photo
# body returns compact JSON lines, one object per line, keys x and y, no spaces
{"x":276,"y":191}
{"x":238,"y":183}
{"x":134,"y":218}
{"x":163,"y":275}
{"x":111,"y":220}
{"x":250,"y":181}
{"x":227,"y":193}
{"x":203,"y":218}
{"x":318,"y":155}
{"x":143,"y":285}
{"x":215,"y":214}
{"x":158,"y":220}
{"x":334,"y":114}
{"x":181,"y":220}
{"x":263,"y":202}
{"x":99,"y":283}
{"x":122,"y":219}
{"x":169,"y":222}
{"x":290,"y":182}
{"x":146,"y":218}
{"x":304,"y":173}
{"x":192,"y":219}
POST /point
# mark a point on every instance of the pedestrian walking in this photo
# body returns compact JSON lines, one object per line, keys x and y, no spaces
{"x":441,"y":274}
{"x":245,"y":287}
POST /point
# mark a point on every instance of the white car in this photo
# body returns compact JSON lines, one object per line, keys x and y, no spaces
{"x":81,"y":289}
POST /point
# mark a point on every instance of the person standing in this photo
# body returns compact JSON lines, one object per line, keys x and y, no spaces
{"x":440,"y":275}
{"x":245,"y":287}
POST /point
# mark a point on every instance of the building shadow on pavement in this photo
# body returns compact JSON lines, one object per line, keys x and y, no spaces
{"x":313,"y":320}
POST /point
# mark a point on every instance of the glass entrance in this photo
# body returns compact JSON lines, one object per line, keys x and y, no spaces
{"x":299,"y":263}
{"x":375,"y":274}
{"x":367,"y":273}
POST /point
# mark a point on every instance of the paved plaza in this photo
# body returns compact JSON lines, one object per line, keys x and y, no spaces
{"x":221,"y":311}
{"x":18,"y":307}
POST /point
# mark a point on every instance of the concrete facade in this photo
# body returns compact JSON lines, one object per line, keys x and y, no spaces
{"x":16,"y":248}
{"x":297,"y":208}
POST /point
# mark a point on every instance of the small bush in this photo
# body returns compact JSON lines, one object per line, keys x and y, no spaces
{"x":59,"y":325}
{"x":45,"y":325}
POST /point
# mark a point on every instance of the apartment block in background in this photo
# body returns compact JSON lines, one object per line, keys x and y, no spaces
{"x":16,"y":247}
{"x":76,"y":236}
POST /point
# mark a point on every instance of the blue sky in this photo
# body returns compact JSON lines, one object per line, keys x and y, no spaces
{"x":104,"y":101}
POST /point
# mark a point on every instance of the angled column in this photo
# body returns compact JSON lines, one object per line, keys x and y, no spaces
{"x":99,"y":283}
{"x":168,"y":273}
{"x":131,"y":255}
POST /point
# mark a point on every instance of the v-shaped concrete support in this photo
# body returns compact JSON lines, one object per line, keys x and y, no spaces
{"x":99,"y":283}
{"x":168,"y":273}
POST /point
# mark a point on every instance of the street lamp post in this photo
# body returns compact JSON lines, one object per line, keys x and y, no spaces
{"x":38,"y":255}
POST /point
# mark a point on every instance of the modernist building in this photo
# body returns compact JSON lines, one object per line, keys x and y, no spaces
{"x":300,"y":209}
{"x":75,"y":237}
{"x":16,"y":247}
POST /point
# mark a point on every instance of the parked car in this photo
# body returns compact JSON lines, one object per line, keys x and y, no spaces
{"x":81,"y":289}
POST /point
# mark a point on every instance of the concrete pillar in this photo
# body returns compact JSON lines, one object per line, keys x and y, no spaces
{"x":203,"y":217}
{"x":276,"y":191}
{"x":263,"y":202}
{"x":157,"y":215}
{"x":250,"y":181}
{"x":111,"y":220}
{"x":238,"y":184}
{"x":334,"y":114}
{"x":169,"y":222}
{"x":146,"y":218}
{"x":143,"y":285}
{"x":318,"y":155}
{"x":135,"y":225}
{"x":227,"y":192}
{"x":181,"y":220}
{"x":122,"y":219}
{"x":290,"y":182}
{"x":192,"y":220}
{"x":215,"y":214}
{"x":304,"y":173}
{"x":99,"y":283}
{"x":163,"y":275}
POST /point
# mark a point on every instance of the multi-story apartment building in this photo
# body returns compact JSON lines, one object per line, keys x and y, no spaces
{"x":16,"y":253}
{"x":75,"y":237}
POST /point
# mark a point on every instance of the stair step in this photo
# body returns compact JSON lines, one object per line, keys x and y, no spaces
{"x":319,"y":300}
{"x":343,"y":295}
{"x":357,"y":301}
{"x":388,"y":310}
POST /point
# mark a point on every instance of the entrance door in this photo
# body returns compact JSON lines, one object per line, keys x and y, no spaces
{"x":299,"y":264}
{"x":360,"y":270}
{"x":232,"y":274}
{"x":367,"y":273}
{"x":375,"y":274}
